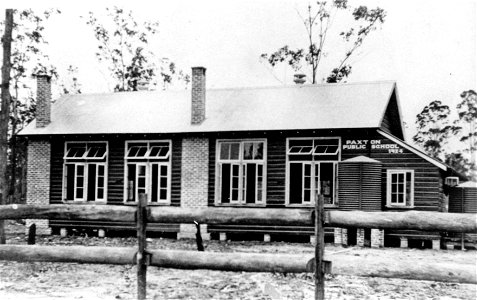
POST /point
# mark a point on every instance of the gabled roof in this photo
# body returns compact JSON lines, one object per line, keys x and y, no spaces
{"x":423,"y":155}
{"x":327,"y":106}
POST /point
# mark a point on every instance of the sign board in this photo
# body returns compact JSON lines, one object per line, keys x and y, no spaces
{"x":371,"y":144}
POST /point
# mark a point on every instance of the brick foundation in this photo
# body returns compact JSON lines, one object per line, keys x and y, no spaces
{"x":360,"y":237}
{"x":38,"y":180}
{"x":377,"y":238}
{"x":337,"y":236}
{"x":404,"y":242}
{"x":194,"y":181}
{"x":436,"y":244}
{"x":340,"y":236}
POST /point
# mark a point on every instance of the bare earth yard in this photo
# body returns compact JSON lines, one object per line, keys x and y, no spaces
{"x":39,"y":280}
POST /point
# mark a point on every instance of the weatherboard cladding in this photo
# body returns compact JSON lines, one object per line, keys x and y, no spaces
{"x":463,"y":199}
{"x":427,"y":176}
{"x":328,"y":106}
{"x":116,"y":146}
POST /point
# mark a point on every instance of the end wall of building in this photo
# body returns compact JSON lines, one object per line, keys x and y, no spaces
{"x":38,"y":180}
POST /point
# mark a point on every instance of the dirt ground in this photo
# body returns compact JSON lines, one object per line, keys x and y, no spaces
{"x":39,"y":280}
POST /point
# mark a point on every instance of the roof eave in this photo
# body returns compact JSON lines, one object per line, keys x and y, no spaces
{"x":403,"y":144}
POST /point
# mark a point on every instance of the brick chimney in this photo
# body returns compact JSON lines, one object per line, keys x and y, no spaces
{"x":43,"y":100}
{"x":198,"y":95}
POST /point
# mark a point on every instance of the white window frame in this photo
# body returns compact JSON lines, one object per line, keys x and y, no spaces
{"x":389,"y":174}
{"x":85,"y":162}
{"x":168,"y":193}
{"x":147,"y":155}
{"x":241,"y":163}
{"x":85,"y":155}
{"x":148,"y":161}
{"x":314,"y":166}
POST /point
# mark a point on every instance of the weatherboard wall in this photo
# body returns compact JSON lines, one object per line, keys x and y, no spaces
{"x":115,"y":166}
{"x":427,"y":184}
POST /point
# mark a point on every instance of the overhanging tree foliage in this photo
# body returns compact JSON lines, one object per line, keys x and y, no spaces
{"x":435,"y":131}
{"x":27,"y":57}
{"x":123,"y":45}
{"x":318,"y":21}
{"x":465,"y":129}
{"x":433,"y":128}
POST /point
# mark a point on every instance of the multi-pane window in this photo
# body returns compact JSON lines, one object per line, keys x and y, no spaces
{"x":400,"y":187}
{"x":148,"y":167}
{"x":312,"y":169}
{"x":241,"y":172}
{"x":84,"y":171}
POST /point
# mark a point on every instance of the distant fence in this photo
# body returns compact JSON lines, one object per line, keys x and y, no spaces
{"x":248,"y":262}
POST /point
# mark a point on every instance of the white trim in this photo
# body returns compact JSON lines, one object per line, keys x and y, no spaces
{"x":313,"y":162}
{"x":148,"y":162}
{"x":84,"y":187}
{"x":240,"y":162}
{"x":413,"y":150}
{"x":85,"y":157}
{"x":389,"y":174}
{"x":103,"y":199}
{"x":85,"y":162}
{"x":148,"y":149}
{"x":159,"y":174}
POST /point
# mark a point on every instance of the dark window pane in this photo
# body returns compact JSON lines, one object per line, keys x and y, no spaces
{"x":327,"y":180}
{"x":100,"y":193}
{"x":258,"y":151}
{"x":225,"y":193}
{"x":70,"y":181}
{"x":96,"y":150}
{"x":224,"y":150}
{"x":251,"y":183}
{"x":163,"y":182}
{"x":80,"y":170}
{"x":154,"y":179}
{"x":248,"y":150}
{"x":131,"y":182}
{"x":91,"y":182}
{"x":163,"y":194}
{"x":234,"y":150}
{"x":295,"y":183}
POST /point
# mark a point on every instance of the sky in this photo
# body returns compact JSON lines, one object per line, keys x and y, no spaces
{"x":428,"y":46}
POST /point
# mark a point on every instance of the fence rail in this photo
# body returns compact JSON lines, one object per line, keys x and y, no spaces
{"x":141,"y":215}
{"x":412,"y":220}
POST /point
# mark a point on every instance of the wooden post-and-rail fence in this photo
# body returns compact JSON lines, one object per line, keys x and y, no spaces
{"x":248,"y":262}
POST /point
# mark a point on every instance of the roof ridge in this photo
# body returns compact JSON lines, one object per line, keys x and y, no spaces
{"x":287,"y":86}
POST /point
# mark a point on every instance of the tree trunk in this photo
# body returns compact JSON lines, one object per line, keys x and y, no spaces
{"x":5,"y":112}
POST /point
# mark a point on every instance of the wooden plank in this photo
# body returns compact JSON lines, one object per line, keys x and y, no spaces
{"x":244,"y":262}
{"x":141,"y":244}
{"x":419,"y":220}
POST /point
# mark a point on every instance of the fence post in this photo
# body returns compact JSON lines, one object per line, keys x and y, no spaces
{"x":319,"y":249}
{"x":32,"y":234}
{"x":141,"y":252}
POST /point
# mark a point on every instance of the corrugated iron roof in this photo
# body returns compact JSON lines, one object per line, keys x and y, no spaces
{"x":351,"y":105}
